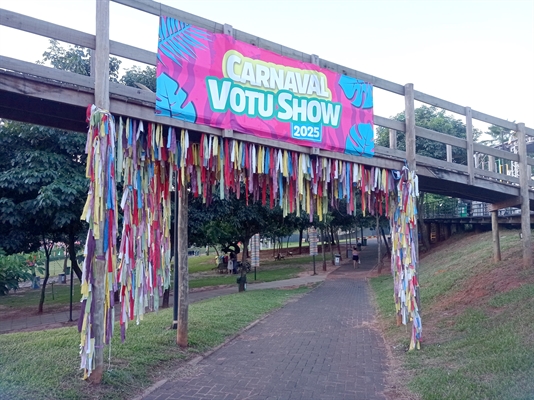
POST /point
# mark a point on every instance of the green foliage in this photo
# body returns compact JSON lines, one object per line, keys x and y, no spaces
{"x":42,"y":183}
{"x":138,"y":77}
{"x":14,"y":269}
{"x":76,"y":59}
{"x":150,"y":350}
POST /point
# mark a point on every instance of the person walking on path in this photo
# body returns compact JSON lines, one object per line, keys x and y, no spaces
{"x":355,"y":257}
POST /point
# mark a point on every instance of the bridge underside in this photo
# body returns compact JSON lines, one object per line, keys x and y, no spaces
{"x":61,"y":105}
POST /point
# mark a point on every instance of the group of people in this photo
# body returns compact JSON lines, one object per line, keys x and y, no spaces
{"x":232,"y":262}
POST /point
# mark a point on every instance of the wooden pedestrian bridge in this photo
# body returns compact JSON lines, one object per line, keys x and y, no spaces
{"x":42,"y":95}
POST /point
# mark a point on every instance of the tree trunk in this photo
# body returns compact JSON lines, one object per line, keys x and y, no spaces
{"x":421,"y":220}
{"x":323,"y":250}
{"x":72,"y":253}
{"x":45,"y":280}
{"x":300,"y":240}
{"x":243,"y":276}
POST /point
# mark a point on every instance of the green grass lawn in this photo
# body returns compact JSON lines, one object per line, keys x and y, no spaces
{"x":45,"y":364}
{"x":57,"y":294}
{"x":267,"y":275}
{"x":477,"y":330}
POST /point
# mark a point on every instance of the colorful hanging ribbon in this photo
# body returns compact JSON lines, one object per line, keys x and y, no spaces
{"x":404,"y":260}
{"x":100,"y":212}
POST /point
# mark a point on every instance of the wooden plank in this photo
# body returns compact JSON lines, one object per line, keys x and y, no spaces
{"x":434,"y":162}
{"x":524,"y":180}
{"x":45,"y":72}
{"x":31,"y":87}
{"x":437,"y":102}
{"x":469,"y":137}
{"x":513,"y":202}
{"x":440,"y":137}
{"x":393,"y":139}
{"x":496,"y":175}
{"x":155,"y":8}
{"x":409,"y":113}
{"x":133,"y":93}
{"x":507,"y":155}
{"x":389,"y":123}
{"x":132,"y":53}
{"x":47,"y":29}
{"x":386,"y":151}
{"x":493,"y":120}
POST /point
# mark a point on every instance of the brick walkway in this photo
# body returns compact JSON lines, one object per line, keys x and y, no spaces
{"x":322,"y":346}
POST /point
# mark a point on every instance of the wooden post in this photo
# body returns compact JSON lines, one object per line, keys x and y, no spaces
{"x":495,"y":236}
{"x":469,"y":137}
{"x":378,"y":241}
{"x":393,"y":139}
{"x":409,"y":114}
{"x":449,"y":153}
{"x":102,"y":101}
{"x":491,"y":163}
{"x":524,"y":181}
{"x":183,"y":286}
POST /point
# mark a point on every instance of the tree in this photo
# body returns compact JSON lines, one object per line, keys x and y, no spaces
{"x":143,"y":78}
{"x":76,"y":59}
{"x":42,"y":189}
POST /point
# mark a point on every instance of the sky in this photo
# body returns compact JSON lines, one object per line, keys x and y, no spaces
{"x":474,"y":53}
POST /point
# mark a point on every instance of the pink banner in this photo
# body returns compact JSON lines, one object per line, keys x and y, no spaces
{"x":212,"y":79}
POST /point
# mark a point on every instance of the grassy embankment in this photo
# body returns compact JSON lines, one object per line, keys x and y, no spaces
{"x":44,"y":364}
{"x":478,"y":323}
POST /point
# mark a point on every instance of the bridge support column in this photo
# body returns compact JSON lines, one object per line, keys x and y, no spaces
{"x":495,"y":236}
{"x":102,"y":101}
{"x":524,"y":180}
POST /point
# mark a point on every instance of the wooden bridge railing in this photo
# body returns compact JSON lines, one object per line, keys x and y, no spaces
{"x":146,"y":98}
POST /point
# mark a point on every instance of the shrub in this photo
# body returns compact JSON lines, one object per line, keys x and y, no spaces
{"x":14,"y":269}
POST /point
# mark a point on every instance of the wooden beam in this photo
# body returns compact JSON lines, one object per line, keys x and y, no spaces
{"x":507,"y":155}
{"x":183,"y":271}
{"x":409,"y":113}
{"x":524,"y":180}
{"x":393,"y":139}
{"x":99,"y":271}
{"x":449,"y":153}
{"x":440,"y":103}
{"x":513,"y":202}
{"x":469,"y":137}
{"x":440,"y":137}
{"x":47,"y":29}
{"x":434,"y":162}
{"x":495,"y":236}
{"x":41,"y":119}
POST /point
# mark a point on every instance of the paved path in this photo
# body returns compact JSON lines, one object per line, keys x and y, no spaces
{"x":323,"y":346}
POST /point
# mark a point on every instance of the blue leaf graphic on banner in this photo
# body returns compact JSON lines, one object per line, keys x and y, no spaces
{"x":178,"y":40}
{"x":360,"y":93}
{"x":171,"y":100}
{"x":360,"y":142}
